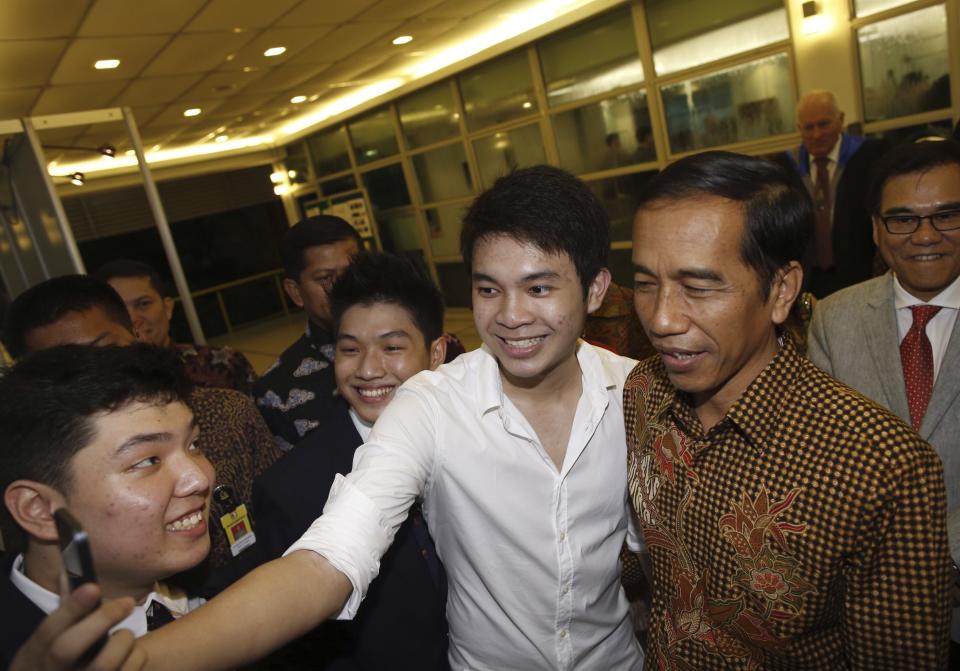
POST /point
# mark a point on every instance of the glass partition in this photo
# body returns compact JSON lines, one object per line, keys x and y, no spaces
{"x":591,"y":57}
{"x":297,"y":164}
{"x":338,"y":185}
{"x":745,"y":102}
{"x":498,"y":91}
{"x":329,"y":150}
{"x":428,"y":116}
{"x":619,"y":198}
{"x":868,"y":7}
{"x":373,"y":137}
{"x":443,"y":173}
{"x":386,"y":187}
{"x":399,"y":232}
{"x":444,"y":224}
{"x":501,"y":152}
{"x":904,"y":64}
{"x":608,"y":134}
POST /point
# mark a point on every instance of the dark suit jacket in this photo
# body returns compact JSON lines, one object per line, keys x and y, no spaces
{"x":401,"y":623}
{"x":853,"y":247}
{"x":20,"y":615}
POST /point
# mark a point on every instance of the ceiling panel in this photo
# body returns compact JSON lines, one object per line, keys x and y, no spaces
{"x":188,"y":54}
{"x":458,"y":9}
{"x":173,"y":115}
{"x":295,"y":40}
{"x":394,"y":9}
{"x":282,"y":78}
{"x":222,"y":84}
{"x":126,"y":17}
{"x":76,"y":66}
{"x":144,"y":114}
{"x":36,"y":19}
{"x":155,"y":90}
{"x":322,"y":12}
{"x":347,"y":40}
{"x":17,"y":102}
{"x":229,"y":14}
{"x":28,"y":62}
{"x":76,"y":97}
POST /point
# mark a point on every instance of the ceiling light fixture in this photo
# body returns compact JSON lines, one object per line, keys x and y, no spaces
{"x":403,"y":39}
{"x":221,"y":138}
{"x":274,"y":51}
{"x":107,"y":64}
{"x":77,"y":179}
{"x":192,"y":111}
{"x":276,"y":177}
{"x":107,"y":151}
{"x":296,"y":100}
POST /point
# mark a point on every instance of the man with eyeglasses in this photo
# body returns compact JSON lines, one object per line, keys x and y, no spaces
{"x":896,"y":338}
{"x":298,"y":392}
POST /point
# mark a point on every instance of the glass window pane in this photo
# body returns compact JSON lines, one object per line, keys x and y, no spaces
{"x":868,"y":7}
{"x":444,"y":224}
{"x":398,"y":232}
{"x":942,"y":129}
{"x":296,"y":163}
{"x":427,"y":116}
{"x":338,"y":185}
{"x":443,"y":173}
{"x":607,"y":134}
{"x":329,"y":150}
{"x":688,"y":33}
{"x":501,"y":152}
{"x":745,"y":102}
{"x":498,"y":91}
{"x":904,"y":64}
{"x":619,"y":198}
{"x":590,"y":58}
{"x":386,"y":187}
{"x":373,"y":137}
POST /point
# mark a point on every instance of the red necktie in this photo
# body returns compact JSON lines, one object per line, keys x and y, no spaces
{"x":916,"y":357}
{"x":823,"y":233}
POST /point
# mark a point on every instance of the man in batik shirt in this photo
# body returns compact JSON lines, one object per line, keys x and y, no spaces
{"x":791,"y":523}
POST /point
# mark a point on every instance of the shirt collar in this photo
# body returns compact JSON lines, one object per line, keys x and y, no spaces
{"x":833,"y":155}
{"x":948,"y":298}
{"x":362,"y":427}
{"x":757,"y":410}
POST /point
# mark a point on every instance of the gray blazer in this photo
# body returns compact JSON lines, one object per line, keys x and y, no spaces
{"x":853,"y":337}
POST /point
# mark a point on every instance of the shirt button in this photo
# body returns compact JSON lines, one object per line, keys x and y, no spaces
{"x":563,"y":536}
{"x":563,"y":633}
{"x":566,"y":588}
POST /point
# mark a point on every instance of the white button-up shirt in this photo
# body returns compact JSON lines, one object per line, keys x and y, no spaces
{"x":531,"y":552}
{"x":940,"y":327}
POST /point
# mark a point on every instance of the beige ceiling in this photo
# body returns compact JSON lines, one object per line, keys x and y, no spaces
{"x":177,"y":54}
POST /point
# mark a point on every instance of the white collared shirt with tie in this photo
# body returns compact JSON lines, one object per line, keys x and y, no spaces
{"x":939,"y":327}
{"x":531,"y":552}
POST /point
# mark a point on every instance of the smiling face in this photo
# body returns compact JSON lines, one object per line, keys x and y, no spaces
{"x":699,"y":303}
{"x":89,"y":327}
{"x":321,"y":267}
{"x":378,"y":347}
{"x":141,"y":489}
{"x":149,"y":311}
{"x":529,"y":309}
{"x":928,"y":260}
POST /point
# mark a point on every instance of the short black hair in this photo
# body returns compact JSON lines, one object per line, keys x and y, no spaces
{"x":48,"y":398}
{"x":547,"y":207}
{"x":318,"y":231}
{"x":131,"y":268}
{"x":52,"y":300}
{"x":376,"y":277}
{"x":778,"y":212}
{"x":908,"y":158}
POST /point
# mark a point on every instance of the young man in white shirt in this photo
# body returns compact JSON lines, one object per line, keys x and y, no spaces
{"x":518,"y":450}
{"x":106,"y":433}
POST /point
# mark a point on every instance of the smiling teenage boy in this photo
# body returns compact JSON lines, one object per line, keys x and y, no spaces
{"x":105,"y":432}
{"x":517,"y":449}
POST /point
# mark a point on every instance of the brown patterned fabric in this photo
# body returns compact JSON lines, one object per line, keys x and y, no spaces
{"x":220,"y":367}
{"x":238,"y":443}
{"x":615,"y":325}
{"x":806,"y":530}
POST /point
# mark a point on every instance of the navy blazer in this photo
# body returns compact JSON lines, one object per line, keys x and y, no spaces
{"x":20,"y":615}
{"x":401,"y":623}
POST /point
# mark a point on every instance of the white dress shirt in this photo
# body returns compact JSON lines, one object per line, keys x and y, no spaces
{"x":176,"y":601}
{"x":531,"y":552}
{"x":940,"y":327}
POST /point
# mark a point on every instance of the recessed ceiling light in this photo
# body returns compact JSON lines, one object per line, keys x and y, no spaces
{"x":403,"y":39}
{"x":314,"y":97}
{"x":527,"y":105}
{"x":221,"y":138}
{"x":274,"y":51}
{"x":247,"y":68}
{"x":296,"y":100}
{"x":193,"y":111}
{"x":107,"y":64}
{"x":77,"y":179}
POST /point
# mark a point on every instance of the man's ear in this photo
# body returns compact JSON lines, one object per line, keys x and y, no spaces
{"x":31,"y":504}
{"x":293,"y":291}
{"x":438,"y":352}
{"x":168,"y":306}
{"x":597,"y":290}
{"x":785,"y":290}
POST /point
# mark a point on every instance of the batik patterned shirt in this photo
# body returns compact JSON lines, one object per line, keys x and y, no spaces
{"x":806,"y":530}
{"x":220,"y":367}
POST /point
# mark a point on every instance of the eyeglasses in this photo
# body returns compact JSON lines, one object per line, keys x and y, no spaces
{"x":905,"y":224}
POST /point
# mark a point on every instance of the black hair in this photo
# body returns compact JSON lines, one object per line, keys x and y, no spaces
{"x":374,"y":277}
{"x":318,"y":231}
{"x":48,"y":398}
{"x":131,"y":268}
{"x":52,"y":300}
{"x":778,"y":212}
{"x":909,"y":158}
{"x":548,"y":208}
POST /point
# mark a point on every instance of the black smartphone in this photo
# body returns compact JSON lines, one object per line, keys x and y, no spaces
{"x":78,"y":564}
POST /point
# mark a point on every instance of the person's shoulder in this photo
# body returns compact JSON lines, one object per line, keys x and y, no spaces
{"x":855,"y":295}
{"x":614,"y":365}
